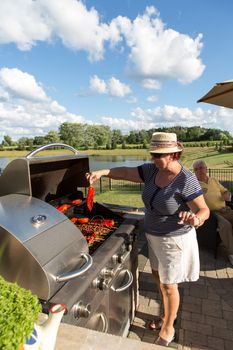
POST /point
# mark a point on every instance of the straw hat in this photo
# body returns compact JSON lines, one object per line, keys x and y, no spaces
{"x":165,"y":142}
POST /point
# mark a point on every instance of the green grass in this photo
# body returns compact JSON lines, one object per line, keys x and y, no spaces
{"x":128,"y":198}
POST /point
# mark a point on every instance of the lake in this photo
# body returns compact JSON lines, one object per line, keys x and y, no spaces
{"x":100,"y":162}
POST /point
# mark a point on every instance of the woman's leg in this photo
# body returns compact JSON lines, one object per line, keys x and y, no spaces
{"x":171,"y":301}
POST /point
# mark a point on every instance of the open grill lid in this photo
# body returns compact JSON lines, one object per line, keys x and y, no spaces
{"x":45,"y":177}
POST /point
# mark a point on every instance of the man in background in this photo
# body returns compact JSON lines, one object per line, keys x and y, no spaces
{"x":216,"y":196}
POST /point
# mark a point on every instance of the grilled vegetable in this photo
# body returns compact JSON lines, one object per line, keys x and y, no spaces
{"x":105,"y":222}
{"x":82,"y":220}
{"x":90,"y":197}
{"x":64,"y":207}
{"x":76,"y":201}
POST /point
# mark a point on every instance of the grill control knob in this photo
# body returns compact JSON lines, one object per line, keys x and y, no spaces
{"x":100,"y":283}
{"x":106,"y":272}
{"x":117,"y":258}
{"x":81,"y":310}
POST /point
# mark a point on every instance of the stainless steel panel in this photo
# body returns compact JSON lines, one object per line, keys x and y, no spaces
{"x":93,"y":313}
{"x":17,"y":213}
{"x":35,"y":254}
{"x":15,"y":178}
{"x":43,"y":176}
{"x":120,"y":300}
{"x":17,"y":264}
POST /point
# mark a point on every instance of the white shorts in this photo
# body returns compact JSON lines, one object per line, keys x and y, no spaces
{"x":175,"y":258}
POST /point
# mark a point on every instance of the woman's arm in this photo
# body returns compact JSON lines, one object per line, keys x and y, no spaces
{"x":198,"y":214}
{"x":119,"y":173}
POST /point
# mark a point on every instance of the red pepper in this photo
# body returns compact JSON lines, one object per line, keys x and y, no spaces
{"x":90,"y":197}
{"x":77,"y":201}
{"x":74,"y":220}
{"x":64,"y":207}
{"x":109,"y":222}
{"x":82,"y":220}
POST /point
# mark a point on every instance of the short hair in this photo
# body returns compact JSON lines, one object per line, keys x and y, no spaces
{"x":199,"y":162}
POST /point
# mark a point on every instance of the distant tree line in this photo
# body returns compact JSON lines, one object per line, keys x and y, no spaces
{"x":85,"y":136}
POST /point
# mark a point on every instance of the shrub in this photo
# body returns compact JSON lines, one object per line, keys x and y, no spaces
{"x":19,"y":309}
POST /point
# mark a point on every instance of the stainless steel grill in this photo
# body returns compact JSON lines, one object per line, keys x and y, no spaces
{"x":44,"y":251}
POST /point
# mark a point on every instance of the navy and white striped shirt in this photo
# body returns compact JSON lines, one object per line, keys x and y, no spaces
{"x":162,"y":205}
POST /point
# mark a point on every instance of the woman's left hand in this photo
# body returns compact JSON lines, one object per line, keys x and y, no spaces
{"x":188,"y":218}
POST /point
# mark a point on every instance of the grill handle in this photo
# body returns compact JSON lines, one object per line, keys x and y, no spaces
{"x":104,"y":319}
{"x":71,"y":275}
{"x":125,"y":286}
{"x":50,"y":145}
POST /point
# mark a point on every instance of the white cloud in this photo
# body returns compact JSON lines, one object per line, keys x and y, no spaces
{"x":156,"y":52}
{"x":151,"y":84}
{"x":25,"y":109}
{"x":24,"y":22}
{"x":152,"y":98}
{"x":21,"y":84}
{"x":171,"y":115}
{"x":118,"y":89}
{"x":98,"y":85}
{"x":113,"y":87}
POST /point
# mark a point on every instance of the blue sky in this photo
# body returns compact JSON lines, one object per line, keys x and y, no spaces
{"x":129,"y":64}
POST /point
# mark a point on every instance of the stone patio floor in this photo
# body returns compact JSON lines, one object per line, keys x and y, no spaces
{"x":205,"y":318}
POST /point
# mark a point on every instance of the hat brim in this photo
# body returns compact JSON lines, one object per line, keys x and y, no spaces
{"x":165,"y":150}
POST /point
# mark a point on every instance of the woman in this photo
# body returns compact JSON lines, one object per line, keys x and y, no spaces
{"x":216,"y":196}
{"x":174,"y":205}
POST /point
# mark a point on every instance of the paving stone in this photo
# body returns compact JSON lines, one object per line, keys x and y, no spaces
{"x":228,"y":345}
{"x":186,"y":315}
{"x":223,"y":333}
{"x":211,"y":274}
{"x":195,"y":339}
{"x":211,"y":308}
{"x":198,"y":291}
{"x":213,"y":296}
{"x":191,"y":308}
{"x":197,"y":317}
{"x":192,"y":300}
{"x":226,"y":306}
{"x":216,"y":321}
{"x":221,"y":273}
{"x":215,"y":343}
{"x":228,"y":315}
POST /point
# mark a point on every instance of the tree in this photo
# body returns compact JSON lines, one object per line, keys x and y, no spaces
{"x":7,"y":141}
{"x":39,"y":140}
{"x":117,"y":137}
{"x":52,"y":136}
{"x":72,"y":134}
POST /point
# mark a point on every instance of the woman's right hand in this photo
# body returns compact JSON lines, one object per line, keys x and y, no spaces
{"x":95,"y":175}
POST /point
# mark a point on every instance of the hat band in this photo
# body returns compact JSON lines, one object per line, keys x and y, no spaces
{"x":162,"y":144}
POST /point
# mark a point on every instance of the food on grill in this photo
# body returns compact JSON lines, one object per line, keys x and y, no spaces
{"x":94,"y":232}
{"x":79,"y":220}
{"x":105,"y":222}
{"x":62,"y":208}
{"x":90,"y":197}
{"x":76,"y":201}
